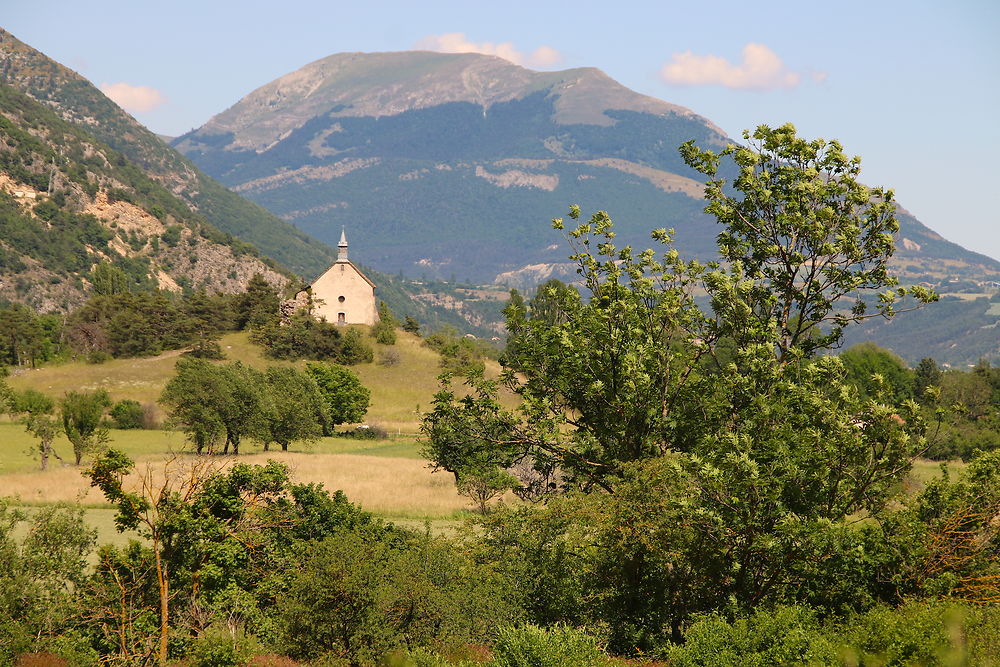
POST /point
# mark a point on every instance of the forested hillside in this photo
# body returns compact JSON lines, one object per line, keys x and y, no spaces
{"x":453,"y":164}
{"x":69,"y":203}
{"x":77,"y":101}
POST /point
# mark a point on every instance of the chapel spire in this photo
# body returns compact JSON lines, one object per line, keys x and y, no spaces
{"x":342,"y":246}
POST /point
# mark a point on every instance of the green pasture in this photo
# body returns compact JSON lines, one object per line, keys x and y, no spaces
{"x":399,"y":392}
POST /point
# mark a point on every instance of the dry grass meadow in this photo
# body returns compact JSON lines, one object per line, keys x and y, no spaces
{"x":388,"y":477}
{"x":399,"y":392}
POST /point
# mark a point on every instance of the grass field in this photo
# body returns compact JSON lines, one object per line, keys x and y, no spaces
{"x":399,"y":392}
{"x":388,"y":477}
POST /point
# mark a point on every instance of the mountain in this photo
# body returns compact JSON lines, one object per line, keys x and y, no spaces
{"x":69,"y":202}
{"x":453,"y":164}
{"x":77,"y":101}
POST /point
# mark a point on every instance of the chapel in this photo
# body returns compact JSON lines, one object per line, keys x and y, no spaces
{"x":344,"y":295}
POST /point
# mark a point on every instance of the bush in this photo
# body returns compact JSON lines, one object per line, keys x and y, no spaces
{"x":361,"y":595}
{"x":388,"y":358}
{"x":559,"y":646}
{"x":127,"y":414}
{"x":218,"y":648}
{"x":783,"y":636}
{"x":97,"y":357}
{"x":365,"y":432}
{"x":924,"y":634}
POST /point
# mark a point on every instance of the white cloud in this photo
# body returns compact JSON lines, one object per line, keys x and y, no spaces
{"x":760,"y":69}
{"x":456,"y":42}
{"x":133,"y":98}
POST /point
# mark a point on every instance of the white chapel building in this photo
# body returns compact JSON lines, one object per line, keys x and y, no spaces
{"x":344,"y":295}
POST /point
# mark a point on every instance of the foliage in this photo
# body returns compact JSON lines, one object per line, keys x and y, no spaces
{"x":870,"y":367}
{"x":356,"y":597}
{"x":298,"y":409}
{"x":346,"y":399}
{"x":804,"y":235}
{"x":40,"y":574}
{"x":130,"y":324}
{"x":82,"y":413}
{"x":210,"y":402}
{"x":411,"y":325}
{"x":558,"y":646}
{"x":27,"y":338}
{"x":258,"y":305}
{"x":36,"y":409}
{"x":303,"y":337}
{"x":927,"y":374}
{"x":459,"y":355}
{"x":384,"y":331}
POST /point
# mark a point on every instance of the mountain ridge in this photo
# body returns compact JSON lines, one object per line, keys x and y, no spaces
{"x":455,"y":163}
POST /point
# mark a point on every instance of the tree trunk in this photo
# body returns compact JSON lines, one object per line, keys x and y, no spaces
{"x":164,"y":584}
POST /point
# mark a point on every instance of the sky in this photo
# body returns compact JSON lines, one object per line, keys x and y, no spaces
{"x":911,"y":86}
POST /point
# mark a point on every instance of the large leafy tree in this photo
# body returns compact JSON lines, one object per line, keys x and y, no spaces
{"x":214,"y":403}
{"x":802,"y":234}
{"x":346,"y":399}
{"x":756,"y":462}
{"x":298,"y":410}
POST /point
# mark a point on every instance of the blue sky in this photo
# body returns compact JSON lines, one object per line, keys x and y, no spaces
{"x":912,"y":87}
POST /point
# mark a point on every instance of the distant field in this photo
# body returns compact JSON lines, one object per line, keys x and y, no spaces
{"x":385,"y":476}
{"x":399,"y":392}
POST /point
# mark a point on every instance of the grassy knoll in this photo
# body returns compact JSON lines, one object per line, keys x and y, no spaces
{"x":397,"y":390}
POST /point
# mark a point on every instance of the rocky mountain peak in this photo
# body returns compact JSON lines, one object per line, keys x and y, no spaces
{"x":387,"y":84}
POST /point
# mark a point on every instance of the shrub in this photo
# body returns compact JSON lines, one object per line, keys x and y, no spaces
{"x":218,"y":648}
{"x":559,"y":646}
{"x":97,"y":357}
{"x":783,"y":636}
{"x":127,"y":414}
{"x":365,"y":432}
{"x":388,"y":358}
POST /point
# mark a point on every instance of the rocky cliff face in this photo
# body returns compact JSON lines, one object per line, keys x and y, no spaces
{"x":68,"y":202}
{"x":77,"y":101}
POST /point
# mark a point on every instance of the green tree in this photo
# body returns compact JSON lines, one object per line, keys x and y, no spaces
{"x":195,"y":398}
{"x":127,"y":414}
{"x":553,"y":301}
{"x":258,"y":305}
{"x":411,"y":325}
{"x":214,"y":402}
{"x":802,"y":234}
{"x":22,"y":338}
{"x":347,"y":400}
{"x":298,"y":408}
{"x":82,"y":413}
{"x":41,"y":574}
{"x":36,"y":410}
{"x":927,"y":374}
{"x":384,"y":331}
{"x":108,"y":279}
{"x":869,"y":365}
{"x":721,"y":490}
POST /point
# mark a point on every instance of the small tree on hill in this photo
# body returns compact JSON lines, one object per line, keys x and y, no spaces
{"x":384,"y":331}
{"x":81,"y":418}
{"x":36,"y":410}
{"x":347,"y":400}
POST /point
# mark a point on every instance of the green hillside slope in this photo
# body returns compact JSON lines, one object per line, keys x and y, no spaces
{"x":78,"y":101}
